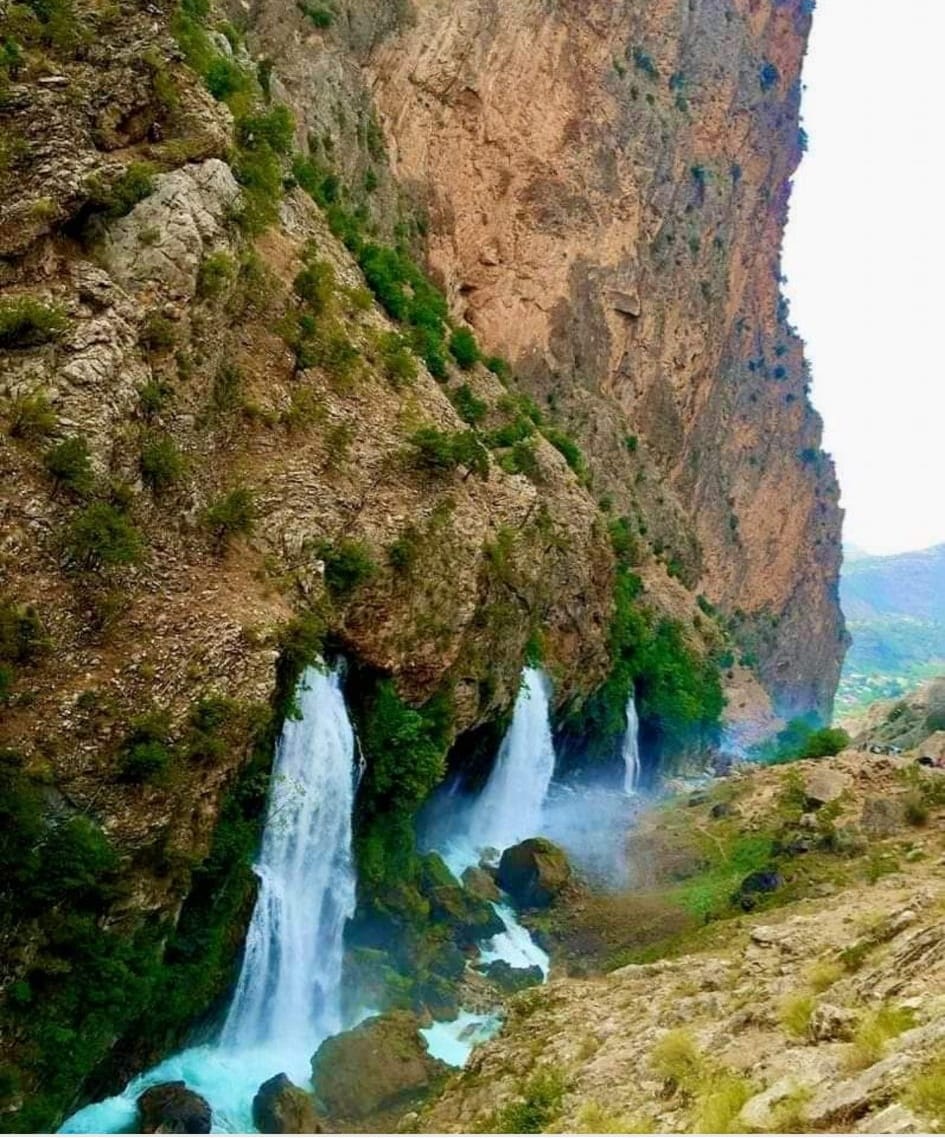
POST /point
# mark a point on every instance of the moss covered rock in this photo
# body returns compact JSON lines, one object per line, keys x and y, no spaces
{"x":375,"y":1071}
{"x":470,"y":917}
{"x":534,"y":872}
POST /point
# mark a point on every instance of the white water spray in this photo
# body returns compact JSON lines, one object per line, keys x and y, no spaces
{"x":509,"y":808}
{"x":631,"y":748}
{"x":289,"y":988}
{"x":288,"y":997}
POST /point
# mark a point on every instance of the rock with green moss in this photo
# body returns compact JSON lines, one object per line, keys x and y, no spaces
{"x":534,"y":873}
{"x":470,"y":918}
{"x":509,"y":979}
{"x":379,"y":1068}
{"x":172,"y":1108}
{"x":480,"y":883}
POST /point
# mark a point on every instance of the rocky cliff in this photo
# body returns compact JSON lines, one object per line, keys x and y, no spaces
{"x":241,"y":428}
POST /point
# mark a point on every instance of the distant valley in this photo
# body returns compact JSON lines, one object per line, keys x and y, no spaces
{"x":895,"y":609}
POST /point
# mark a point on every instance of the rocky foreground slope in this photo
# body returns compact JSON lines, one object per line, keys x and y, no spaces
{"x":820,"y":1008}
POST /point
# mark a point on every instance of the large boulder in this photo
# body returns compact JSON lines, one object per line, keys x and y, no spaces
{"x":823,"y":784}
{"x":382,"y":1065}
{"x":480,"y":883}
{"x":470,"y":917}
{"x":171,"y":1108}
{"x":534,"y":872}
{"x":280,"y":1107}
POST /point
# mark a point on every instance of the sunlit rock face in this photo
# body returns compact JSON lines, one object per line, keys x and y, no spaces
{"x":607,"y":189}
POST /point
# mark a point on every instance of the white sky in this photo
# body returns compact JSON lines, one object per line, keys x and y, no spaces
{"x":864,"y":257}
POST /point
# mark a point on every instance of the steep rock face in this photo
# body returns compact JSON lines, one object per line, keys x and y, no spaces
{"x":607,"y":187}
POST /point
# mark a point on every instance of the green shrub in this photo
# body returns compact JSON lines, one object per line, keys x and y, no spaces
{"x":719,"y":1103}
{"x":272,"y":130}
{"x":320,"y":16}
{"x":101,"y":536}
{"x":825,"y":741}
{"x":677,"y":1060}
{"x":32,"y":416}
{"x":157,"y":333}
{"x":499,"y":367}
{"x":135,"y":183}
{"x":794,"y":1014}
{"x":537,"y":1107}
{"x":315,"y":284}
{"x":464,"y":349}
{"x":224,"y":78}
{"x":22,"y":637}
{"x":522,"y":459}
{"x":26,"y":322}
{"x":328,"y":348}
{"x":217,"y":272}
{"x":69,"y":463}
{"x":874,"y":1033}
{"x":469,"y":406}
{"x":443,"y":451}
{"x":154,"y":396}
{"x":398,"y":361}
{"x":259,"y":173}
{"x":145,"y":761}
{"x":925,"y":1092}
{"x":567,"y":448}
{"x":402,"y":553}
{"x":233,"y":513}
{"x":226,"y":395}
{"x":348,"y":564}
{"x":161,"y":463}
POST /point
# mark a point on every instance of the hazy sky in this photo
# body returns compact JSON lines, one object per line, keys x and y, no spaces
{"x":865,"y":257}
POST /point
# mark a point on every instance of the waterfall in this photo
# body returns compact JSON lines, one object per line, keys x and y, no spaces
{"x":289,"y":988}
{"x":631,"y":747}
{"x":509,"y":807}
{"x":288,"y":997}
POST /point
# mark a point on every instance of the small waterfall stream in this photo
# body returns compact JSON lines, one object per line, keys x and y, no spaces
{"x":287,"y":998}
{"x":631,"y":747}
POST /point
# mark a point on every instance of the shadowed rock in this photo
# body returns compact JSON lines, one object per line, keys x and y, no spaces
{"x":280,"y":1107}
{"x":170,"y":1108}
{"x":534,"y":872}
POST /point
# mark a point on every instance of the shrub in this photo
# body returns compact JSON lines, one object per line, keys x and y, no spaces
{"x":464,"y":349}
{"x":719,"y":1103}
{"x":69,"y":463}
{"x":469,"y":406}
{"x":273,"y":130}
{"x":133,"y":185}
{"x":348,"y":564}
{"x":226,"y":395}
{"x":402,"y":553}
{"x":315,"y":285}
{"x":32,"y":416}
{"x":224,"y":78}
{"x":327,"y":348}
{"x":768,"y":76}
{"x":233,"y":513}
{"x":73,"y":859}
{"x":157,"y":333}
{"x":522,"y":459}
{"x":925,"y":1092}
{"x":643,"y":61}
{"x":217,"y":272}
{"x":442,"y":451}
{"x":499,"y":367}
{"x":26,"y":322}
{"x":154,"y":396}
{"x":677,"y":1060}
{"x":632,"y":443}
{"x":567,"y":448}
{"x":398,"y":361}
{"x":824,"y":974}
{"x":824,"y":742}
{"x":101,"y":535}
{"x":874,"y":1033}
{"x":538,"y":1106}
{"x":22,"y":637}
{"x":161,"y":463}
{"x":794,"y":1014}
{"x":320,"y":16}
{"x":145,"y":761}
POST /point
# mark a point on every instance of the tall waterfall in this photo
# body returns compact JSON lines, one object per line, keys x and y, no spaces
{"x":509,"y":807}
{"x":290,"y":983}
{"x":631,"y":747}
{"x":288,"y":998}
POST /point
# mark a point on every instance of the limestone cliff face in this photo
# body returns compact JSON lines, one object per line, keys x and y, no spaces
{"x":607,"y":189}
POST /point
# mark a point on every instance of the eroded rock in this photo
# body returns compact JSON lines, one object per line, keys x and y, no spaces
{"x":172,"y":1108}
{"x":280,"y":1107}
{"x":534,"y":872}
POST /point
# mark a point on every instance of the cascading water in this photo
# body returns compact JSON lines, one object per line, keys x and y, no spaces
{"x":509,"y":807}
{"x":290,"y":985}
{"x":631,"y":748}
{"x":287,"y":999}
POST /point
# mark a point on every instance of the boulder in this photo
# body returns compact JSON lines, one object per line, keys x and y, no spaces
{"x":883,"y":817}
{"x":510,"y":979}
{"x":829,"y":1023}
{"x":763,"y":881}
{"x":171,"y":1108}
{"x":381,"y":1065}
{"x":480,"y":883}
{"x":822,"y":784}
{"x":534,"y":872}
{"x":471,"y":918}
{"x":280,"y":1107}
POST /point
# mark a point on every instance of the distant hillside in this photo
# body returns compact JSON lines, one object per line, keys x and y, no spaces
{"x":895,"y":608}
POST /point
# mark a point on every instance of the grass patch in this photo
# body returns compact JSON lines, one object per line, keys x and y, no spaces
{"x":719,"y":1103}
{"x":69,"y":463}
{"x":102,"y":536}
{"x":26,"y":322}
{"x":536,"y":1108}
{"x":231,"y":515}
{"x":794,"y":1014}
{"x":925,"y":1094}
{"x":874,"y":1034}
{"x":823,"y":974}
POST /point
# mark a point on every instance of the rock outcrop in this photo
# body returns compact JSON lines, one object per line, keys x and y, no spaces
{"x":280,"y":1107}
{"x":534,"y":872}
{"x":376,"y":1071}
{"x":170,"y":1108}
